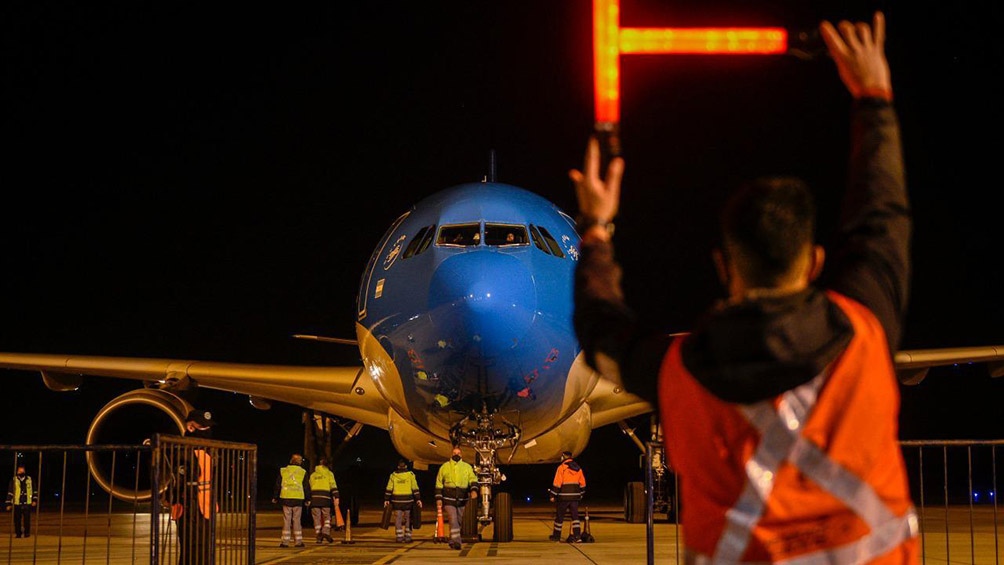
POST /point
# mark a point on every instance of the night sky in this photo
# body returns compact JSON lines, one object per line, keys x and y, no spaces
{"x":191,"y":180}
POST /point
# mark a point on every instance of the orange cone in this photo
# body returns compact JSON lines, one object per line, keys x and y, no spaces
{"x":440,"y":536}
{"x":348,"y":527}
{"x":339,"y":521}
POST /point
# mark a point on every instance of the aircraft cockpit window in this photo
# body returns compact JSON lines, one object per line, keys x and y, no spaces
{"x":413,"y":244}
{"x":552,"y":244}
{"x":505,"y":234}
{"x":463,"y":235}
{"x":427,"y":240}
{"x":538,"y":240}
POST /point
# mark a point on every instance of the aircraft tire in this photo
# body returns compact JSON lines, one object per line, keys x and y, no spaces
{"x":469,"y":521}
{"x":634,"y":502}
{"x":503,"y":517}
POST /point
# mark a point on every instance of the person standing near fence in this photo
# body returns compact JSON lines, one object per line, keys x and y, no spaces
{"x":195,"y":511}
{"x":323,"y":498}
{"x":22,"y":498}
{"x":290,"y":488}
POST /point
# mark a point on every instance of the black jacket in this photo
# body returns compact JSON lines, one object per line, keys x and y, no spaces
{"x":756,"y":349}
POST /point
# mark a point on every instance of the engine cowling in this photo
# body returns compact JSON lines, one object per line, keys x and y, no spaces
{"x":131,"y":419}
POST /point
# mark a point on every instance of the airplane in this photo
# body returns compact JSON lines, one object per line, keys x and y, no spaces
{"x":464,"y":330}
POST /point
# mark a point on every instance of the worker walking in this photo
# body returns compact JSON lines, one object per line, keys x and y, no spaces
{"x":455,"y":478}
{"x":323,"y":497}
{"x":567,"y":489}
{"x":22,"y":499}
{"x":402,"y":495}
{"x":290,"y":486}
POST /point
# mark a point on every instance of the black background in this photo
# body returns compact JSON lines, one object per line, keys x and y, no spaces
{"x":199,"y":181}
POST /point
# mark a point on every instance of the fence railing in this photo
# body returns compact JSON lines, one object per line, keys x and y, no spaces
{"x":155,"y":488}
{"x":954,"y":484}
{"x":134,"y":503}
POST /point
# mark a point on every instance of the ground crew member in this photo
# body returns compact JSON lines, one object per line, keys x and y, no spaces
{"x":21,"y":498}
{"x":194,"y":510}
{"x":290,"y":487}
{"x":780,"y":409}
{"x":402,"y":494}
{"x":455,"y":478}
{"x":323,"y":497}
{"x":567,"y":489}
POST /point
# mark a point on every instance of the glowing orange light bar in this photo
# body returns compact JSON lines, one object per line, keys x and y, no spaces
{"x":704,"y":40}
{"x":610,"y":41}
{"x":606,"y":60}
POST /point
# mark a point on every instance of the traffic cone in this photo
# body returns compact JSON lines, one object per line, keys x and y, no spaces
{"x":348,"y":527}
{"x":440,"y":536}
{"x":587,"y":536}
{"x":339,"y":521}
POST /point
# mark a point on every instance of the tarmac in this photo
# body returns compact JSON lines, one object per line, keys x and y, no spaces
{"x":953,"y":535}
{"x":615,"y":542}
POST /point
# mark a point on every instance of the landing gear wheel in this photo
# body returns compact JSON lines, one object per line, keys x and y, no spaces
{"x":503,"y":516}
{"x":469,"y":522}
{"x":634,"y":502}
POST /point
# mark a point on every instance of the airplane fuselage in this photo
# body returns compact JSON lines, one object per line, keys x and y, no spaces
{"x":465,"y":307}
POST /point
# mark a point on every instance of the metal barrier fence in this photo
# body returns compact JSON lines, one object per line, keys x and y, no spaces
{"x":954,"y":485}
{"x":97,"y":503}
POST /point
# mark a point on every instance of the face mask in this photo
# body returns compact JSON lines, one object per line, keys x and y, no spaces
{"x":20,"y":475}
{"x":197,"y":433}
{"x":455,"y":458}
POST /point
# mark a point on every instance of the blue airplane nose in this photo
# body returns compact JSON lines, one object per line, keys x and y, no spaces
{"x":490,"y":300}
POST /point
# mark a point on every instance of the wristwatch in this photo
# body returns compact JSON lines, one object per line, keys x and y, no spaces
{"x":585,"y":223}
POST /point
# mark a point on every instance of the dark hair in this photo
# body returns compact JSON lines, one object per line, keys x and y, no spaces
{"x":766,"y":225}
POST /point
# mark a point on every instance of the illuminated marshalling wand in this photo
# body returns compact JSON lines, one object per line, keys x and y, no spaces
{"x":610,"y":42}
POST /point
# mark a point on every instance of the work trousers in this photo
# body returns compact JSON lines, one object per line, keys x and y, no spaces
{"x":562,"y":506}
{"x":291,"y":516}
{"x":195,"y":539}
{"x":402,"y":524}
{"x":453,"y":515}
{"x":22,"y":515}
{"x":322,"y":520}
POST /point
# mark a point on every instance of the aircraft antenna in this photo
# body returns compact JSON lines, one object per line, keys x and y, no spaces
{"x":491,"y":166}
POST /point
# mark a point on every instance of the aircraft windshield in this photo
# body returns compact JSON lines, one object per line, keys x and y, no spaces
{"x":461,"y":235}
{"x":505,"y":234}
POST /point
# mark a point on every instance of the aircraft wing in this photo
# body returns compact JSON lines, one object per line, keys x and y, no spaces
{"x":340,"y":391}
{"x":912,"y":365}
{"x":609,"y":403}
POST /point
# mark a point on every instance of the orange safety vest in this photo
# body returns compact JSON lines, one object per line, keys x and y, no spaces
{"x":205,"y":482}
{"x":813,"y":476}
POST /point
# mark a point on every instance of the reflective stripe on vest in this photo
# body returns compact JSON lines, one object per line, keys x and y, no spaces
{"x":292,"y":482}
{"x":780,"y":442}
{"x":812,"y":476}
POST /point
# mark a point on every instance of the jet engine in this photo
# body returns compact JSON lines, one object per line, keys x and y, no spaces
{"x":128,"y":420}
